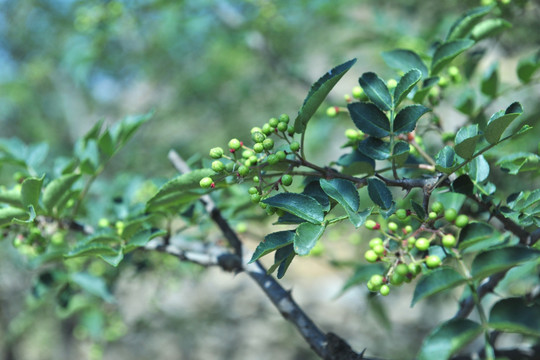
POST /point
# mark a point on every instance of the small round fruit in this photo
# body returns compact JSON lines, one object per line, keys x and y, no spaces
{"x":432,"y":215}
{"x":290,"y":130}
{"x":253,"y":190}
{"x":218,"y":166}
{"x":286,"y":180}
{"x":255,"y":198}
{"x":247,"y":153}
{"x":268,"y":144}
{"x":371,"y":224}
{"x":206,"y":182}
{"x":216,"y":153}
{"x":253,"y":159}
{"x":437,"y":207}
{"x":255,"y":129}
{"x":272,"y":159}
{"x":258,"y":147}
{"x":332,"y":111}
{"x":243,"y":170}
{"x":408,"y":229}
{"x":384,"y":290}
{"x":281,"y":155}
{"x":284,"y":118}
{"x":375,"y":241}
{"x":234,"y":144}
{"x":433,"y":261}
{"x":402,"y":269}
{"x":295,"y":146}
{"x":258,"y":137}
{"x":397,"y":279}
{"x":392,"y":226}
{"x":376,"y":279}
{"x":351,"y":134}
{"x":391,"y":84}
{"x":255,"y":179}
{"x":379,"y":249}
{"x":104,"y":222}
{"x":422,"y":244}
{"x":357,"y":92}
{"x":450,"y":214}
{"x":462,"y":221}
{"x":414,"y":269}
{"x":282,"y":126}
{"x":273,"y":122}
{"x":449,"y":241}
{"x":267,"y":129}
{"x":401,"y":214}
{"x":371,"y":256}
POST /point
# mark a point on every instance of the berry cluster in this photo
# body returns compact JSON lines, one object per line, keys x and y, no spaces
{"x":405,"y":247}
{"x":243,"y":162}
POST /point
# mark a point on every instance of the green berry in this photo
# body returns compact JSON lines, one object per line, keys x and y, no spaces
{"x":282,"y":126}
{"x":384,"y":290}
{"x":414,"y":269}
{"x":397,"y":279}
{"x":255,"y":129}
{"x":234,"y":144}
{"x":273,"y":122}
{"x":422,"y":244}
{"x":218,"y":166}
{"x":375,"y":241}
{"x":392,"y":226}
{"x":450,"y":214}
{"x":408,"y":229}
{"x":376,"y":280}
{"x":255,"y":198}
{"x":379,"y":249}
{"x":372,"y":225}
{"x":268,"y":144}
{"x":433,"y":261}
{"x":401,"y":214}
{"x":253,"y":190}
{"x":267,"y":129}
{"x":216,"y":153}
{"x":357,"y":92}
{"x":432,"y":215}
{"x":258,"y":137}
{"x":272,"y":159}
{"x":253,"y":159}
{"x":351,"y":134}
{"x":295,"y":146}
{"x":462,"y":221}
{"x":402,"y":269}
{"x":103,"y":223}
{"x":247,"y":153}
{"x":286,"y":180}
{"x":255,"y":179}
{"x":258,"y":147}
{"x":391,"y":84}
{"x":332,"y":111}
{"x":243,"y":170}
{"x":290,"y":130}
{"x":449,"y":241}
{"x":284,"y":118}
{"x":206,"y":182}
{"x":437,"y":207}
{"x":281,"y":155}
{"x":371,"y":256}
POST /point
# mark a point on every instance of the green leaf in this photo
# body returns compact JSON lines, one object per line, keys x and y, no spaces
{"x":493,"y":261}
{"x":490,"y":81}
{"x":56,"y":189}
{"x":285,"y":264}
{"x":281,"y":255}
{"x":405,"y":85}
{"x":404,"y":60}
{"x":466,"y":140}
{"x":92,"y":284}
{"x":515,"y":315}
{"x":142,"y":238}
{"x":343,"y":191}
{"x":376,"y":90}
{"x":30,"y":191}
{"x":300,"y":205}
{"x":499,"y":122}
{"x":418,"y":209}
{"x":479,"y":169}
{"x":448,"y":338}
{"x":178,"y":188}
{"x":406,"y":119}
{"x":306,"y":237}
{"x":358,"y":218}
{"x":318,"y":92}
{"x":30,"y":218}
{"x":401,"y":152}
{"x":527,"y":67}
{"x":446,"y":52}
{"x":93,"y":248}
{"x":462,"y":27}
{"x":463,"y":185}
{"x":370,"y":119}
{"x":356,"y":163}
{"x":518,"y":162}
{"x":113,"y":260}
{"x":125,"y":129}
{"x":445,"y":160}
{"x":106,"y":143}
{"x":273,"y":242}
{"x":489,"y":27}
{"x":379,"y":193}
{"x":465,"y":102}
{"x":436,"y":281}
{"x":427,"y":84}
{"x":474,"y":233}
{"x":314,"y":190}
{"x":11,"y":197}
{"x":374,"y":148}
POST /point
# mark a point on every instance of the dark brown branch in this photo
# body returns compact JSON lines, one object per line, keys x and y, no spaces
{"x":327,"y":346}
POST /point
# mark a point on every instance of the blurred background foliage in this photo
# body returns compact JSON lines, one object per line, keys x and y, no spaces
{"x":210,"y":70}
